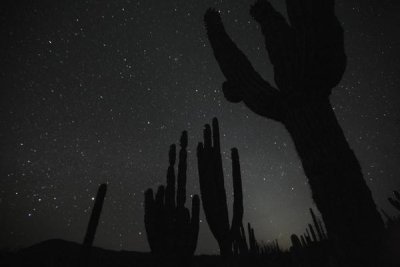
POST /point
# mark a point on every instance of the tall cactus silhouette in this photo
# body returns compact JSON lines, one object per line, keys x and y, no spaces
{"x":171,"y":232}
{"x":95,"y":216}
{"x":309,"y":60}
{"x":213,"y":193}
{"x":92,"y":225}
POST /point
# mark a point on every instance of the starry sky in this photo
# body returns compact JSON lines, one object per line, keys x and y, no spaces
{"x":96,"y":91}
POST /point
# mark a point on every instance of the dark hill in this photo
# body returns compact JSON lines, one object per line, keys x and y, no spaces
{"x":58,"y":252}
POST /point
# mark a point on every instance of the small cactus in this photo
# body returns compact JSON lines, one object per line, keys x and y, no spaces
{"x":253,"y":245}
{"x":296,"y":242}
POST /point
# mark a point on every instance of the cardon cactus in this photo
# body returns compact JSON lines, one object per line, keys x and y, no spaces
{"x":213,"y":193}
{"x":95,"y":216}
{"x":171,"y":231}
{"x":309,"y":60}
{"x":92,"y":225}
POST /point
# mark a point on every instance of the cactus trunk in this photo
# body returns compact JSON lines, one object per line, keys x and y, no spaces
{"x":95,"y":216}
{"x":92,"y":226}
{"x":338,"y":187}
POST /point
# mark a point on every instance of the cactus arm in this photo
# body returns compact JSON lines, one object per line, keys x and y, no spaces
{"x":212,"y":188}
{"x":307,"y":56}
{"x":237,"y":216}
{"x":182,"y":166}
{"x":171,"y":231}
{"x":243,"y":243}
{"x":207,"y":190}
{"x":170,"y":188}
{"x":319,"y":41}
{"x":243,"y":82}
{"x":194,"y":223}
{"x":159,"y":200}
{"x":214,"y":204}
{"x":279,"y":42}
{"x":150,"y":220}
{"x":218,"y":176}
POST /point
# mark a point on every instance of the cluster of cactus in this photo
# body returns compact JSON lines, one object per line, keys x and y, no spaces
{"x":254,"y":247}
{"x":240,"y":244}
{"x":271,"y":248}
{"x":308,"y":56}
{"x":171,"y":231}
{"x":314,"y":233}
{"x":213,"y":193}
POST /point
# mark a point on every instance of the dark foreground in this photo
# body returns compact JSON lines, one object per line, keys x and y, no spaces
{"x":57,"y":252}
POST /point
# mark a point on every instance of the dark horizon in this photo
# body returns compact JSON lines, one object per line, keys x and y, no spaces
{"x":95,"y":93}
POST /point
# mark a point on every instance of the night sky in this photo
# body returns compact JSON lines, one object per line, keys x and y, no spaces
{"x":96,"y":91}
